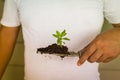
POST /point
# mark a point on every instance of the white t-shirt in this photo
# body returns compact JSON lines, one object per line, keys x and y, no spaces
{"x":82,"y":20}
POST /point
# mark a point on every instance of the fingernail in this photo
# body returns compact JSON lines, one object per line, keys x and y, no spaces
{"x":78,"y":63}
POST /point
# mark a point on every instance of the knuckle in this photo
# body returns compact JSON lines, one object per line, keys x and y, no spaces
{"x":87,"y":52}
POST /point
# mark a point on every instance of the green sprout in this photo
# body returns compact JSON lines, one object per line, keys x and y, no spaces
{"x":60,"y":37}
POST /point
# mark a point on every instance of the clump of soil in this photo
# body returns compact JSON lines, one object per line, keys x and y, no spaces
{"x":53,"y":49}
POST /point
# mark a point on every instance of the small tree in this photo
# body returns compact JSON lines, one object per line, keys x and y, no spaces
{"x":60,"y":37}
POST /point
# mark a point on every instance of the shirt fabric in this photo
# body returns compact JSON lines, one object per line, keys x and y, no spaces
{"x":82,"y":19}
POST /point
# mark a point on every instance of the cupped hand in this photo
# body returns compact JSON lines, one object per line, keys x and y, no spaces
{"x":104,"y":48}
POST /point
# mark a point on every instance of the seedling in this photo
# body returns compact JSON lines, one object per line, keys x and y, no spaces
{"x":60,"y":37}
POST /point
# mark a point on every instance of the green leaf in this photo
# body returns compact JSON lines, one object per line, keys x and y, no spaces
{"x":55,"y":35}
{"x":63,"y":33}
{"x":58,"y":33}
{"x":66,"y":39}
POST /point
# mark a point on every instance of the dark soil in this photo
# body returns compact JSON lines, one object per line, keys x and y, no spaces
{"x":53,"y":49}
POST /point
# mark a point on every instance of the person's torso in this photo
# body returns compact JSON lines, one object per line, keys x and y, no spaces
{"x":82,"y":19}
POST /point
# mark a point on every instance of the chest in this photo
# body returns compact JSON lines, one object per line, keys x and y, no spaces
{"x":60,"y":11}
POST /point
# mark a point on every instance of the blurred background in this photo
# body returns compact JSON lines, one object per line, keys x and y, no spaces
{"x":15,"y":69}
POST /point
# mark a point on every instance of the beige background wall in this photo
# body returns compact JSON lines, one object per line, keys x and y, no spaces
{"x":15,"y":69}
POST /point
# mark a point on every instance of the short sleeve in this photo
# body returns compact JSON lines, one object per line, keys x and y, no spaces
{"x":112,"y":11}
{"x":10,"y":16}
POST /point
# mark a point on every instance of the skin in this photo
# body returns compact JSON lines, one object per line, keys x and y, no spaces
{"x":8,"y":36}
{"x":104,"y":48}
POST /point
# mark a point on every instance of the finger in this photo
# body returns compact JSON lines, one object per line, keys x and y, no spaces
{"x":108,"y":60}
{"x":86,"y":54}
{"x":102,"y":58}
{"x":94,"y":57}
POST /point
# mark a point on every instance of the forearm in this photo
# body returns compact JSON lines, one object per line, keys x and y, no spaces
{"x":7,"y":43}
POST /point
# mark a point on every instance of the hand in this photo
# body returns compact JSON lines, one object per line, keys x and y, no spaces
{"x":104,"y":48}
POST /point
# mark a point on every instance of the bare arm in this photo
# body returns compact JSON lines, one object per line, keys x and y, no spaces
{"x":8,"y":36}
